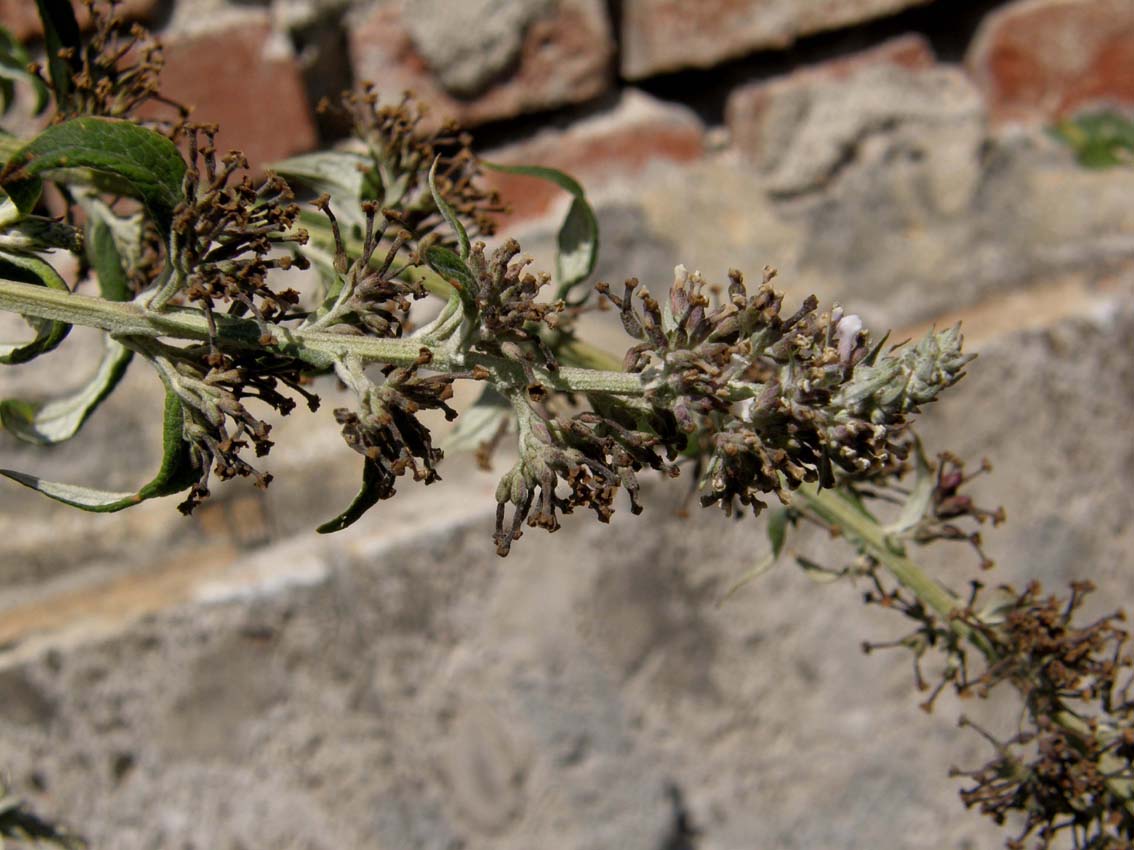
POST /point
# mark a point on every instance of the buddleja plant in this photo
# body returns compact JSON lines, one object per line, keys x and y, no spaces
{"x":721,"y":384}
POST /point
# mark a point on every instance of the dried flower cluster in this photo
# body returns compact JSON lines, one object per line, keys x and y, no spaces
{"x":1072,"y":777}
{"x":403,"y":152}
{"x":1067,"y":770}
{"x":814,"y":397}
{"x":115,"y":73}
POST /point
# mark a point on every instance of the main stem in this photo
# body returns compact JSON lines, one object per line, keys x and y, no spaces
{"x":319,"y":348}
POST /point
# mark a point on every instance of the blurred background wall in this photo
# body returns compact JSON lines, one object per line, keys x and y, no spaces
{"x":234,"y":681}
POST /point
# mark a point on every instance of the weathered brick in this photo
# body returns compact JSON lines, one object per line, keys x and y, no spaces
{"x":751,"y":109}
{"x":564,"y":57}
{"x":21,"y":19}
{"x":665,"y":35}
{"x":620,"y":142}
{"x":245,"y":81}
{"x":1040,"y":60}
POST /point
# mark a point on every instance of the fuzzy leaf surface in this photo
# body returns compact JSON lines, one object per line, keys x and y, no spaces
{"x":105,"y":152}
{"x":175,"y":474}
{"x":54,"y":421}
{"x":578,"y":239}
{"x":26,"y":268}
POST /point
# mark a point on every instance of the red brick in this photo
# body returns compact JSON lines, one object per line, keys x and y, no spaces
{"x":749,"y":107}
{"x":1040,"y":60}
{"x":618,"y":143}
{"x":565,"y":57}
{"x":22,"y":20}
{"x":237,"y":78}
{"x":665,"y":35}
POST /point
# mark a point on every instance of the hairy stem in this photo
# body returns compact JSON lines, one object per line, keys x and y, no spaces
{"x":319,"y":348}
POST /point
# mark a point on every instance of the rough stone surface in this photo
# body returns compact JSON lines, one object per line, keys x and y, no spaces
{"x":618,"y":143}
{"x":753,"y":111}
{"x":665,"y":35}
{"x":468,"y":45}
{"x":1039,"y":60}
{"x":800,"y":132}
{"x":902,"y":217}
{"x":563,"y":57}
{"x":21,"y":19}
{"x":244,"y":78}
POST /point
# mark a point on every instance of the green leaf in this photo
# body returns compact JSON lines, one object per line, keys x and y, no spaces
{"x":110,"y":240}
{"x":1099,"y":140}
{"x":368,"y":496}
{"x":453,"y":269}
{"x":777,"y":534}
{"x":479,"y":423}
{"x":14,"y":69}
{"x":26,"y":268}
{"x":137,"y":162}
{"x":60,"y":419}
{"x":60,"y":31}
{"x":578,"y":238}
{"x":447,"y":211}
{"x":176,"y":473}
{"x":347,"y":177}
{"x":917,"y":503}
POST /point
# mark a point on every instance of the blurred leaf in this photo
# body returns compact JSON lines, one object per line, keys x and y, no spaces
{"x":25,"y":268}
{"x":479,"y":423}
{"x":1099,"y":140}
{"x":343,"y":175}
{"x":176,"y":473}
{"x":60,"y":419}
{"x":578,"y":238}
{"x":60,"y":31}
{"x":14,"y":62}
{"x":817,"y":572}
{"x":777,"y":534}
{"x":578,"y":245}
{"x":917,"y":503}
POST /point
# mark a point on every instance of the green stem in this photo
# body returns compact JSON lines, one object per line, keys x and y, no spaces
{"x":319,"y":348}
{"x":839,"y":513}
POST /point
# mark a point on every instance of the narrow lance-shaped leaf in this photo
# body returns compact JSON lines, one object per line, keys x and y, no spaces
{"x":60,"y":419}
{"x":347,"y":177}
{"x":777,"y":534}
{"x":453,"y":269}
{"x":917,"y":503}
{"x":368,"y":496}
{"x":108,"y":251}
{"x":60,"y":32}
{"x":578,"y":239}
{"x":26,"y":268}
{"x":14,"y":69}
{"x":105,"y":152}
{"x":176,"y":473}
{"x":447,"y":211}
